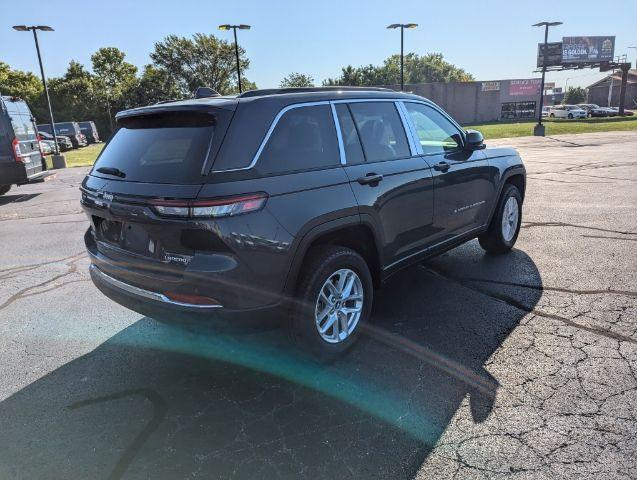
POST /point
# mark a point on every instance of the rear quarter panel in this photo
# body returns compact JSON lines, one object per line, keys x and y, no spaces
{"x":297,"y":203}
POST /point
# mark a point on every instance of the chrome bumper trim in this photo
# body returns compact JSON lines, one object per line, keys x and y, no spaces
{"x":140,"y":292}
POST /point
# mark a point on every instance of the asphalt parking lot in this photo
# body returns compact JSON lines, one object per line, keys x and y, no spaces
{"x":517,"y":366}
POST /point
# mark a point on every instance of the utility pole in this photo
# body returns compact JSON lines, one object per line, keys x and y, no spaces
{"x":625,"y":67}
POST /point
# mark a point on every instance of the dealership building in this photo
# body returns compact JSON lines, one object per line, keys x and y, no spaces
{"x":478,"y":102}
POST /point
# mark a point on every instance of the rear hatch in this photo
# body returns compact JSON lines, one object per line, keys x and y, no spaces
{"x":148,"y":173}
{"x":25,"y":144}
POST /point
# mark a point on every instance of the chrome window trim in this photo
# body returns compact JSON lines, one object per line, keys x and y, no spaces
{"x":414,"y":146}
{"x":365,"y":100}
{"x":273,"y":125}
{"x":140,"y":292}
{"x":339,"y":135}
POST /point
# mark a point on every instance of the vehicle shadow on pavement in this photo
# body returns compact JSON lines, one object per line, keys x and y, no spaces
{"x":157,"y":401}
{"x":17,"y":198}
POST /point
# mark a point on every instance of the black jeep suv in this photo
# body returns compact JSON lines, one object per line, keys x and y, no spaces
{"x":296,"y":200}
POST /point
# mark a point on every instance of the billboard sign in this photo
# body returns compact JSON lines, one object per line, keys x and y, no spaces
{"x":528,"y":87}
{"x":554,"y":57}
{"x":587,"y":49}
{"x":490,"y":86}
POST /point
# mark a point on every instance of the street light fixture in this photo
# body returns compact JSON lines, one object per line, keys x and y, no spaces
{"x":236,"y":45}
{"x":34,"y":29}
{"x":538,"y":131}
{"x":402,"y":27}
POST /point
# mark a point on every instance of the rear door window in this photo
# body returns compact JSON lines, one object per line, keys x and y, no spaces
{"x":160,"y":148}
{"x":381,"y":130}
{"x":303,"y":138}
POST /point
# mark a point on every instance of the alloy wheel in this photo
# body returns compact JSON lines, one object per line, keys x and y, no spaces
{"x":510,"y":217}
{"x":339,"y":306}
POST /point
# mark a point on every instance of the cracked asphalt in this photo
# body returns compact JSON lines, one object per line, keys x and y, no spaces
{"x":520,"y":366}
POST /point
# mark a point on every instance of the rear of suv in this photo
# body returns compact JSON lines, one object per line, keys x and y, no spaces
{"x":293,"y":200}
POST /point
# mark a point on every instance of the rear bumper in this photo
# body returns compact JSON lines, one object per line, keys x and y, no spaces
{"x":99,"y":276}
{"x":141,"y":291}
{"x":39,"y":177}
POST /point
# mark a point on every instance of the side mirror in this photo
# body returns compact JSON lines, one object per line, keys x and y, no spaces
{"x":474,"y":140}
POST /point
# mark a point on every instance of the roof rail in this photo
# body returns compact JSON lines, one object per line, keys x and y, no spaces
{"x":280,"y":91}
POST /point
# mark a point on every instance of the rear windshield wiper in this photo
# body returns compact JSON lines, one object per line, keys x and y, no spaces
{"x":112,"y":171}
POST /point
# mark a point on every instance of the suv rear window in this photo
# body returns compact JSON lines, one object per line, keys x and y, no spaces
{"x":161,"y":148}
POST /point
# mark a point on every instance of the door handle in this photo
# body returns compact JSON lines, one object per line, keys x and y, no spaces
{"x":370,"y":179}
{"x":442,"y":166}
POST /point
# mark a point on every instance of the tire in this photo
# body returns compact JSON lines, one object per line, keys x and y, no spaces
{"x":4,"y":189}
{"x":498,"y":238}
{"x":570,"y":116}
{"x":552,"y":115}
{"x":323,"y":264}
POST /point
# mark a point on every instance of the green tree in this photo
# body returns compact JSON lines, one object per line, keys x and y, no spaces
{"x":574,"y":95}
{"x":295,"y":79}
{"x":73,"y":95}
{"x":431,"y":67}
{"x":112,"y":70}
{"x":20,"y":84}
{"x":203,"y":60}
{"x":155,"y":85}
{"x":114,"y":80}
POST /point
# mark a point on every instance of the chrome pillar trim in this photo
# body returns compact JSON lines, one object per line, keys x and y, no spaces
{"x":414,"y":144}
{"x":339,"y":135}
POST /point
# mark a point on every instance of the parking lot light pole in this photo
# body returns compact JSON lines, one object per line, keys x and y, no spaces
{"x":57,"y":158}
{"x":236,"y":46}
{"x":538,"y":131}
{"x":402,"y":27}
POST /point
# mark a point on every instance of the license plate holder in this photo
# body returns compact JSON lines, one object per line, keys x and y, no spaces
{"x":136,"y":239}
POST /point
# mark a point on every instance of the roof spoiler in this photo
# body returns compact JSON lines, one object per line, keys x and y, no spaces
{"x":206,"y":92}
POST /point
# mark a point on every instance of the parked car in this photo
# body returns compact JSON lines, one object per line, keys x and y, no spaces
{"x":64,"y":142}
{"x":21,"y":160}
{"x":593,"y":110}
{"x":47,"y":147}
{"x":68,"y":129}
{"x":291,"y":199}
{"x":566,"y":111}
{"x":615,"y":111}
{"x":90,"y":131}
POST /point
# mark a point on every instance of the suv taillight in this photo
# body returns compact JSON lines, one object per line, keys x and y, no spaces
{"x":217,"y":208}
{"x":17,"y":154}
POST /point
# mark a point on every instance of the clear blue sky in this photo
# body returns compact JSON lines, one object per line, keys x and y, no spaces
{"x":492,"y":39}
